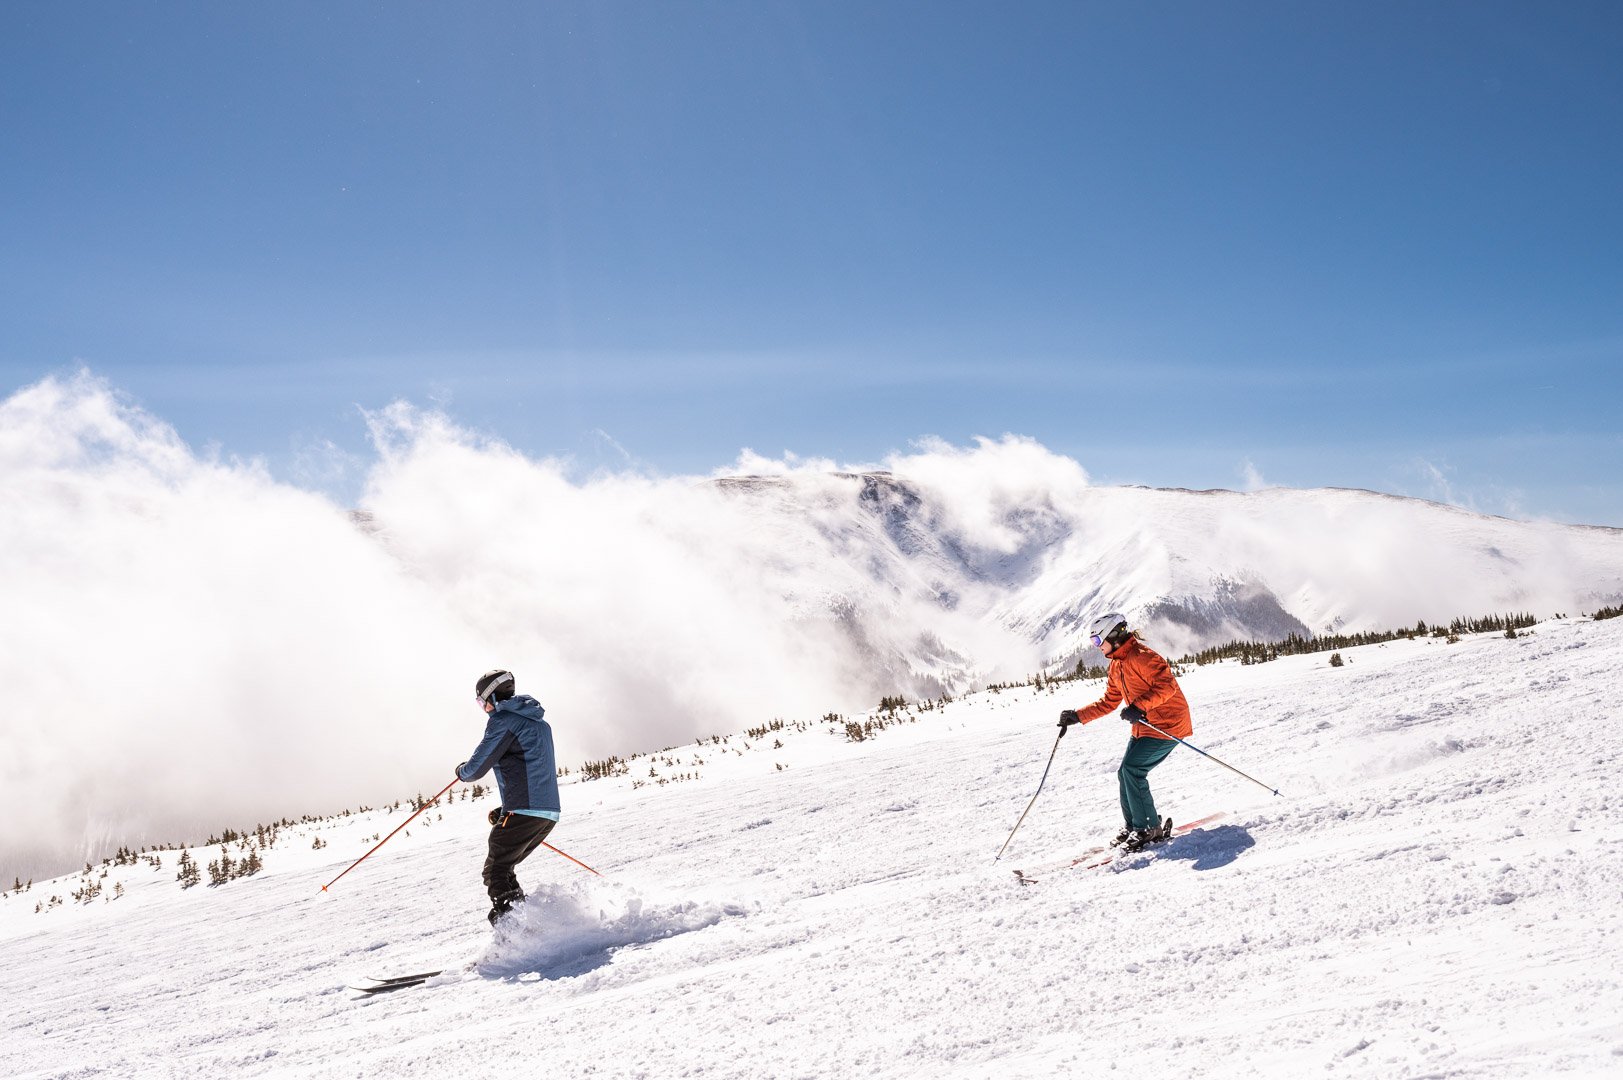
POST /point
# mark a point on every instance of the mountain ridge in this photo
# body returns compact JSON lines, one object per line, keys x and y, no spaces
{"x":1191,"y":571}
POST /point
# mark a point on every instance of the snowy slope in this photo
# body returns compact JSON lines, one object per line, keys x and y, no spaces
{"x":1437,"y":893}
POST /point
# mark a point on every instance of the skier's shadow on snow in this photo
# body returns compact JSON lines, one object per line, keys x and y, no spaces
{"x":1207,"y":849}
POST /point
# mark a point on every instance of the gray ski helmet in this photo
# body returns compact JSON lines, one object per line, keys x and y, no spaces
{"x":1109,"y":628}
{"x":490,"y":683}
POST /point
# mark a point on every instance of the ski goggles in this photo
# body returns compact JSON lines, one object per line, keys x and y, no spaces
{"x":498,"y":679}
{"x":1098,"y":642}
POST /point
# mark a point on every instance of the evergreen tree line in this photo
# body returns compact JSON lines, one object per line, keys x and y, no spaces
{"x":1260,"y":652}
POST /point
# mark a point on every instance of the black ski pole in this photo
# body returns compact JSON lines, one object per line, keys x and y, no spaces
{"x":1034,"y":795}
{"x":1204,"y":754}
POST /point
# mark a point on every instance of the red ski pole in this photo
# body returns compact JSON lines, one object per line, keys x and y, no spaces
{"x":386,"y":839}
{"x":565,"y":854}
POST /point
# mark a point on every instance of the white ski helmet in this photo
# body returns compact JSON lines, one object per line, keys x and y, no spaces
{"x":1110,"y":627}
{"x":491,"y":682}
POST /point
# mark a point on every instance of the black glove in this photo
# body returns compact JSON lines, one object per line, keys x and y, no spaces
{"x":495,"y":815}
{"x":1133,"y":714}
{"x":1067,"y":717}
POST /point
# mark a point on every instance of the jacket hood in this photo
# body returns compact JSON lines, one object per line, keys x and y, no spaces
{"x":523,"y":704}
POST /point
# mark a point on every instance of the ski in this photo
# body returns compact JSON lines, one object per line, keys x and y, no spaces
{"x":398,"y":982}
{"x":1095,"y":857}
{"x":1074,"y":860}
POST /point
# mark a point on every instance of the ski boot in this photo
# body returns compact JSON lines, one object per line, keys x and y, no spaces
{"x":504,"y":903}
{"x":1143,"y":838}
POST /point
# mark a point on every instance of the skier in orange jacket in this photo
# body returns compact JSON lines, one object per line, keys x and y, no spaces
{"x":1141,"y":678}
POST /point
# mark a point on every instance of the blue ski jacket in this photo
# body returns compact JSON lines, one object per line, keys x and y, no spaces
{"x":518,"y":744}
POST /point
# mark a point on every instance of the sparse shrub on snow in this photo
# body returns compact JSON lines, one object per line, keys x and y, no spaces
{"x":598,"y":770}
{"x":765,"y":729}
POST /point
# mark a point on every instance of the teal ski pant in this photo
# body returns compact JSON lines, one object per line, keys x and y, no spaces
{"x":1137,"y":804}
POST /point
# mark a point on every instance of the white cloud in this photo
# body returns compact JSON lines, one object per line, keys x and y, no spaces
{"x":190,"y":645}
{"x":1437,"y":486}
{"x":182,"y":624}
{"x":750,"y":463}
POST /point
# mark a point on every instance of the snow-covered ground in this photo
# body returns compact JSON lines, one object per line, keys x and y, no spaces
{"x":1438,"y":892}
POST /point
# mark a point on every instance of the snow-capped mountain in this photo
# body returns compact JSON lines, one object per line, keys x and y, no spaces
{"x":1192,"y":568}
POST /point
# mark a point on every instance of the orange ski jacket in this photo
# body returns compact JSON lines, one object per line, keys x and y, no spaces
{"x":1138,"y":676}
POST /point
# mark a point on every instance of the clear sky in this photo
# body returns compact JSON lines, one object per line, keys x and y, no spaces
{"x":1188,"y":244}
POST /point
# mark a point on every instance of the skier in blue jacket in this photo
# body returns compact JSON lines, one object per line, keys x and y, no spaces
{"x":518,"y":745}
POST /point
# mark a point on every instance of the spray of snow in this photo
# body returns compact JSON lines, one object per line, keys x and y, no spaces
{"x":561,"y":931}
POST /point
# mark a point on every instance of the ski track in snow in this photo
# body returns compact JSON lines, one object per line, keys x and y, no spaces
{"x":1438,"y":893}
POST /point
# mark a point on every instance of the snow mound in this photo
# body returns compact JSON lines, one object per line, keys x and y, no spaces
{"x":565,"y":930}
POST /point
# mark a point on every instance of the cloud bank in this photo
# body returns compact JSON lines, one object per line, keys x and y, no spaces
{"x":188,"y":644}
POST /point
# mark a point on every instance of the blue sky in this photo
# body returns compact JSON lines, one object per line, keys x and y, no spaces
{"x":1189,"y":244}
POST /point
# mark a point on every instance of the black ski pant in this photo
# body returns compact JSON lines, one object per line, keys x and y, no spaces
{"x":512,"y":839}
